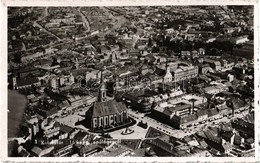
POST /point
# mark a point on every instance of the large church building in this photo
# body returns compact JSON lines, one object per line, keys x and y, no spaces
{"x":106,"y":114}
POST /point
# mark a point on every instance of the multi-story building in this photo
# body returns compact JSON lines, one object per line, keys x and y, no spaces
{"x":54,"y":83}
{"x":239,"y":40}
{"x":141,"y":100}
{"x":215,"y":65}
{"x":23,"y":73}
{"x":214,"y":89}
{"x":180,"y":114}
{"x":94,"y":74}
{"x":59,"y":81}
{"x":77,"y":101}
{"x":183,"y":73}
{"x":204,"y":68}
{"x":25,"y":83}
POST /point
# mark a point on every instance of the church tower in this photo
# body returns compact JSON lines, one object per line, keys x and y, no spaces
{"x":116,"y":85}
{"x":113,"y":57}
{"x":71,"y":78}
{"x":102,"y":90}
{"x":14,"y":83}
{"x":168,"y":76}
{"x":167,"y":79}
{"x":77,"y":63}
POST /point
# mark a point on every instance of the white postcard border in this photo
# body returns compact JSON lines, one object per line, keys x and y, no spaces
{"x":3,"y":74}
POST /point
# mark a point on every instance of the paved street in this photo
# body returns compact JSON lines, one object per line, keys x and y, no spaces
{"x":173,"y":59}
{"x":84,"y":19}
{"x":180,"y":133}
{"x":44,"y":29}
{"x":139,"y":133}
{"x":156,"y":124}
{"x":71,"y":119}
{"x":120,"y":21}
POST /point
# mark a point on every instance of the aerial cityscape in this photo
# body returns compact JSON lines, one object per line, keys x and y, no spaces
{"x":131,"y":81}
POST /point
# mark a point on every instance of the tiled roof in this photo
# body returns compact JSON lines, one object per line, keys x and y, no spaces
{"x":250,"y":118}
{"x":188,"y":118}
{"x":89,"y":148}
{"x":212,"y":112}
{"x":203,"y":143}
{"x":250,"y":140}
{"x":165,"y":138}
{"x":37,"y":150}
{"x":65,"y":129}
{"x":227,"y":145}
{"x":107,"y":108}
{"x":227,"y":134}
{"x":167,"y":111}
{"x":57,"y":124}
{"x":181,"y":107}
{"x":23,"y":82}
{"x":159,"y":72}
{"x":237,"y":139}
{"x":80,"y":135}
{"x":202,"y":112}
{"x":211,"y":137}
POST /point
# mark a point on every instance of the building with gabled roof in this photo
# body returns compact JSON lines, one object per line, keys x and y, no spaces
{"x":37,"y":151}
{"x":25,"y":82}
{"x":106,"y":114}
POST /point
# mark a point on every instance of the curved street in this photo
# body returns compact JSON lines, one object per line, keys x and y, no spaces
{"x":84,"y":19}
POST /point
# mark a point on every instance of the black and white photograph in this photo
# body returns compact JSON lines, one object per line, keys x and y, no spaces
{"x":131,"y":81}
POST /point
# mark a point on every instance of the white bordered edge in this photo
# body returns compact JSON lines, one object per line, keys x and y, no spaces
{"x":3,"y":75}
